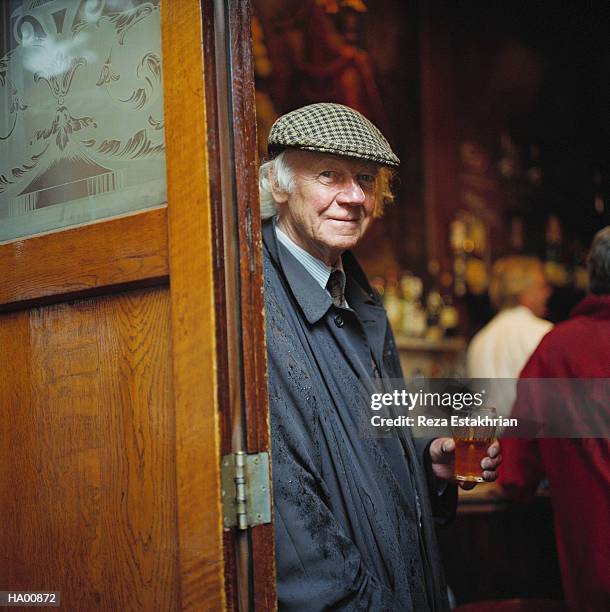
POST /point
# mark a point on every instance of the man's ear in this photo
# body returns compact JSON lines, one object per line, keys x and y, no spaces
{"x":280,"y":197}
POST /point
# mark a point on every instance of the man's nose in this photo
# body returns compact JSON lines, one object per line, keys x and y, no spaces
{"x":351,"y":193}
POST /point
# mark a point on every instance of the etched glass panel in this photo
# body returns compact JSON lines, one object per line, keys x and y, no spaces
{"x":81,"y":112}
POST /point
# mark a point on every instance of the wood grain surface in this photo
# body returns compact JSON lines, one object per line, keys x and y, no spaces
{"x":226,"y":354}
{"x":87,"y":485}
{"x":252,"y":324}
{"x":193,"y":312}
{"x":84,"y":260}
{"x":233,"y":171}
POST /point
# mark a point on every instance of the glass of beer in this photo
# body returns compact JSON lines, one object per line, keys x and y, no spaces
{"x":473,"y":432}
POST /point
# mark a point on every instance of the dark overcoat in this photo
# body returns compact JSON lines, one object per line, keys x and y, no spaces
{"x":353,"y":513}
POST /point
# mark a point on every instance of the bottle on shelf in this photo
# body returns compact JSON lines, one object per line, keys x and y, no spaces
{"x":392,"y":301}
{"x":457,"y":237}
{"x":450,"y":317}
{"x":434,"y":303}
{"x":434,"y":308}
{"x":413,"y":320}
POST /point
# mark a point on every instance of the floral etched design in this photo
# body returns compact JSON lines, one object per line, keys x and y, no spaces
{"x":139,"y":145}
{"x":16,"y":103}
{"x":62,"y":140}
{"x":20,"y":170}
{"x":63,"y":126}
{"x":151,"y":63}
{"x":58,"y":80}
{"x":124,"y":20}
{"x":106,"y":74}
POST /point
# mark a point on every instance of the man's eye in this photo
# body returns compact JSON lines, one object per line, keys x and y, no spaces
{"x":366,"y":181}
{"x":366,"y":178}
{"x":328,"y":174}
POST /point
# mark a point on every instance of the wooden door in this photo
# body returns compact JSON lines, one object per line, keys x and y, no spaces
{"x":122,"y":348}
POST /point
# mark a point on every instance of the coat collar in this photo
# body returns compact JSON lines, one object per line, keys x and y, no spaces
{"x":315,"y":302}
{"x":313,"y":299}
{"x":595,"y":306}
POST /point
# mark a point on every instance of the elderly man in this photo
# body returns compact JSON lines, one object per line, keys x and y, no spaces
{"x":353,"y":513}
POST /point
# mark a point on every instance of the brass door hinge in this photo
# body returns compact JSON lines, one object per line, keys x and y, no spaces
{"x":246,"y":490}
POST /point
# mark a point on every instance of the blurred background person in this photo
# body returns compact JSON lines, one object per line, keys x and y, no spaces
{"x":519,"y":291}
{"x":578,"y":470}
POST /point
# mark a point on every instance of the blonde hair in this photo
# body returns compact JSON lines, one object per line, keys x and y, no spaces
{"x":278,"y":173}
{"x":511,"y":277}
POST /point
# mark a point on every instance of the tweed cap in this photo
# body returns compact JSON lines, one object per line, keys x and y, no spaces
{"x":331,"y":128}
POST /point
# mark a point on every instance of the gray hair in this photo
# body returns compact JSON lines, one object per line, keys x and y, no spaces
{"x":277,"y":173}
{"x":599,"y":262}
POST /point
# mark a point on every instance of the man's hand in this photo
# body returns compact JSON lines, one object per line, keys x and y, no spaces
{"x":442,"y":453}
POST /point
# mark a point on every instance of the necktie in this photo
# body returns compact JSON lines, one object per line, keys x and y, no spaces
{"x":336,"y":287}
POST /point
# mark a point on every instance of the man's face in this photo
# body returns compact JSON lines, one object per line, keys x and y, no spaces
{"x":331,"y":205}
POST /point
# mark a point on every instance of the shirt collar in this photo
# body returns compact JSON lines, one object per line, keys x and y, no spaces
{"x":317,"y":268}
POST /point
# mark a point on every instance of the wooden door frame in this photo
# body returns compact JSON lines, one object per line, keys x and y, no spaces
{"x":233,"y":167}
{"x":208,"y":242}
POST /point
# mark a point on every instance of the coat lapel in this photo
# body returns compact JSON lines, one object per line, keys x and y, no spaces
{"x":313,"y":300}
{"x":363,"y":301}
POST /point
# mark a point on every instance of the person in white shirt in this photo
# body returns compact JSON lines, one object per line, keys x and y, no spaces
{"x":519,"y":291}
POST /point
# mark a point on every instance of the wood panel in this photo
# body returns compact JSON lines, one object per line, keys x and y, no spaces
{"x":193,"y":312}
{"x":84,"y":260}
{"x":87,"y":486}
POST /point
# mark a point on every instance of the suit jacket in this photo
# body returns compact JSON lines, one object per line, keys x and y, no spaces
{"x":353,"y":513}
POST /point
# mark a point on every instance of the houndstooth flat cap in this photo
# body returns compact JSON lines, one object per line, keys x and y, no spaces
{"x":331,"y":128}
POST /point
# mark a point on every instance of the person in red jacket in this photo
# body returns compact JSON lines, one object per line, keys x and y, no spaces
{"x":578,"y":469}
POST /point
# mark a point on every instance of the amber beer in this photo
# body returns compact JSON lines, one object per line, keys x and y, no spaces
{"x":471,"y":444}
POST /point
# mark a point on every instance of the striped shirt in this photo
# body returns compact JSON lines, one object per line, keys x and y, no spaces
{"x":318,"y":269}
